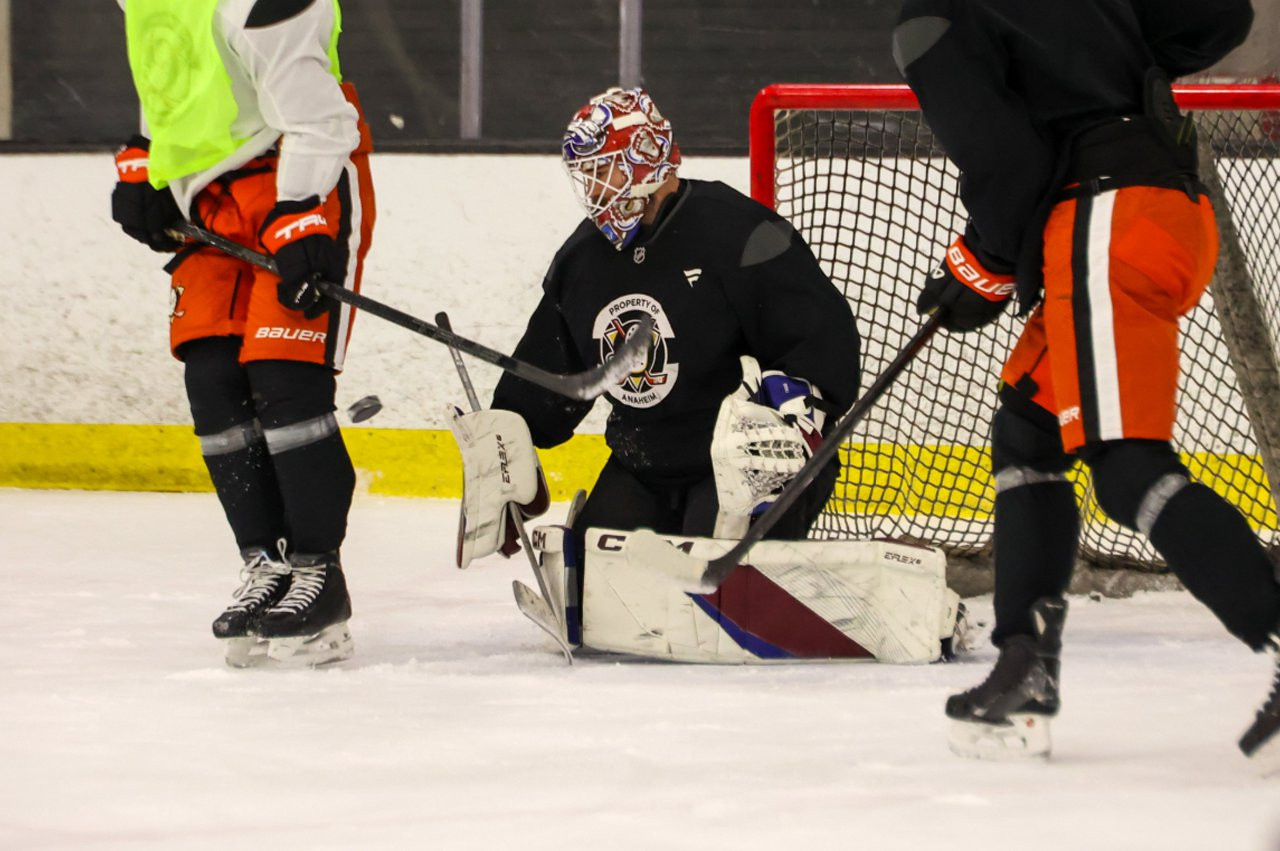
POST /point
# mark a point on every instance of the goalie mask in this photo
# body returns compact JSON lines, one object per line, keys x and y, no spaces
{"x":619,"y":150}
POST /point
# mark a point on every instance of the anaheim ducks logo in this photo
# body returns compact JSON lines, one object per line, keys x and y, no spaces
{"x":614,"y":323}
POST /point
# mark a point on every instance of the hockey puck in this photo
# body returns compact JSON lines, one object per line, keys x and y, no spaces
{"x":364,"y":409}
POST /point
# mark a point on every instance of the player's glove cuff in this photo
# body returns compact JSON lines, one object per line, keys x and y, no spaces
{"x":132,"y":160}
{"x":293,"y":221}
{"x":965,"y":267}
{"x":968,"y":294}
{"x":142,"y":211}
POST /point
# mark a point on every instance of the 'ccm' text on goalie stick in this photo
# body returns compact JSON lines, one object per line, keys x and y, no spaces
{"x":542,"y":615}
{"x":645,"y":549}
{"x":586,"y":385}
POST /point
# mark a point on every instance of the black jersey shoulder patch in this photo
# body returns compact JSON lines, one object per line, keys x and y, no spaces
{"x":770,"y":238}
{"x":265,"y":13}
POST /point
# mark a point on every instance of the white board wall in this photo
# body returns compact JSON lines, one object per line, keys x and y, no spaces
{"x":83,"y":332}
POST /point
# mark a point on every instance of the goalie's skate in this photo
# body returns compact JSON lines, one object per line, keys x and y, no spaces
{"x":264,"y":580}
{"x":1261,"y":742}
{"x":1007,"y":716}
{"x":308,"y":626}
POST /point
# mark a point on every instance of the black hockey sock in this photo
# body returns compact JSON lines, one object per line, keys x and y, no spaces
{"x":231,"y":440}
{"x":316,"y":482}
{"x":246,"y":485}
{"x":1209,"y":546}
{"x":294,"y":401}
{"x":1036,"y":531}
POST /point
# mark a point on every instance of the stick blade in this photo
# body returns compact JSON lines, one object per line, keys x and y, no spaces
{"x":647,"y":551}
{"x":631,"y":356}
{"x":537,"y":610}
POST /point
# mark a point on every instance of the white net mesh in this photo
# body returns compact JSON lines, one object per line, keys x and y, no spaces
{"x":877,"y":201}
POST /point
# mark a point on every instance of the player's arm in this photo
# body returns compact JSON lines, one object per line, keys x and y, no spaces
{"x":794,"y":319}
{"x":142,"y":211}
{"x":546,"y":343}
{"x":1188,"y":36}
{"x":285,"y":52}
{"x":957,"y":66}
{"x":800,"y":375}
{"x":499,"y":463}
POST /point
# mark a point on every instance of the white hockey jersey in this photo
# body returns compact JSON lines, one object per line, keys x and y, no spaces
{"x":284,"y":91}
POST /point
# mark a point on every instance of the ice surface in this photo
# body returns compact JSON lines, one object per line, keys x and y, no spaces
{"x":457,"y":727}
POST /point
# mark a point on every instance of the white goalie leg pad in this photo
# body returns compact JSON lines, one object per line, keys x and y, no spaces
{"x":499,"y":467}
{"x":816,"y":600}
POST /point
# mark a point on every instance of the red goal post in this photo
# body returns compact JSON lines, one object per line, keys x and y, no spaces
{"x":856,"y":170}
{"x":896,"y":96}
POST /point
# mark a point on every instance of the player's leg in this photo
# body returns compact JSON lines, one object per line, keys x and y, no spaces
{"x":244,"y":479}
{"x":1037,"y":522}
{"x":1207,"y":543}
{"x":208,"y":304}
{"x":295,"y":403}
{"x":1142,"y":257}
{"x":1036,"y":528}
{"x":619,"y":500}
{"x":291,"y":362}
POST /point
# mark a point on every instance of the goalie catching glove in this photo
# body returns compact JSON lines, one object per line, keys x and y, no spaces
{"x":765,"y":432}
{"x":499,"y":468}
{"x":969,"y":294}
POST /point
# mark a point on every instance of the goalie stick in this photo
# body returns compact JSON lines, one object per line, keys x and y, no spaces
{"x":646,"y":550}
{"x":585,"y":385}
{"x":533,"y":607}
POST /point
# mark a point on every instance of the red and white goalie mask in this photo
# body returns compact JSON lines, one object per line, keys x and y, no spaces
{"x":619,"y":150}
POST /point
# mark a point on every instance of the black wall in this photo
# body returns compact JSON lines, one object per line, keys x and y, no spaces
{"x":703,"y":60}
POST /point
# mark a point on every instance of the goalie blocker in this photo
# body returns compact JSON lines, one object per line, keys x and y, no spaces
{"x":797,"y":600}
{"x":499,"y":468}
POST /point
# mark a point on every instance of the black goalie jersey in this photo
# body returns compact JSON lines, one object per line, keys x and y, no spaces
{"x":721,"y":276}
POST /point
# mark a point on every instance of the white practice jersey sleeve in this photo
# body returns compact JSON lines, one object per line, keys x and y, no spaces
{"x":284,"y":90}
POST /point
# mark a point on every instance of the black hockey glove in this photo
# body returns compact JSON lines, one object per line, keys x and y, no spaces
{"x":298,"y":236}
{"x":141,"y":210}
{"x":968,"y":295}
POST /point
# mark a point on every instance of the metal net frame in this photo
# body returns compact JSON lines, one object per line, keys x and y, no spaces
{"x":858,"y":173}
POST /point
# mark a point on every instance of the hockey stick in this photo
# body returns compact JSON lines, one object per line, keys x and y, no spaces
{"x":645,"y":549}
{"x":536,"y":609}
{"x":585,"y":385}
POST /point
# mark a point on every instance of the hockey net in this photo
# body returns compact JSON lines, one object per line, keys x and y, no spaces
{"x":857,"y":171}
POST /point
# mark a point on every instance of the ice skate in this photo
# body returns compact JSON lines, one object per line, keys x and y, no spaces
{"x":1007,"y":716}
{"x":1261,"y":742}
{"x":264,"y":581}
{"x":308,"y":626}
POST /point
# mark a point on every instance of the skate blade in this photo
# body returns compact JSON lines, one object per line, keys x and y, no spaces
{"x":246,"y":652}
{"x":329,"y":645}
{"x":1023,"y":737}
